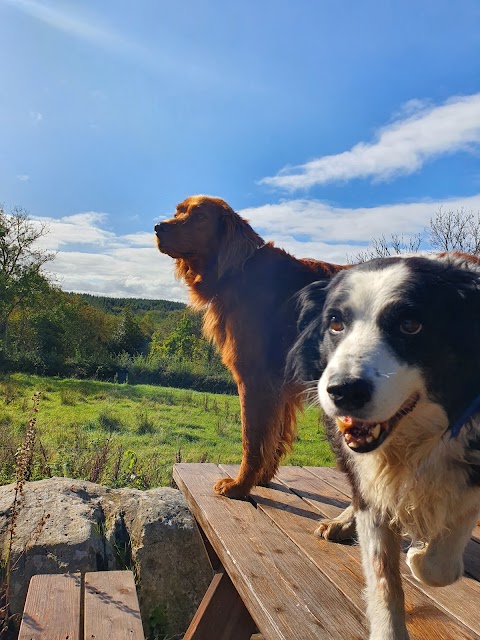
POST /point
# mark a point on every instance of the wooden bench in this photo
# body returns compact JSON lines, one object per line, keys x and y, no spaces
{"x":98,"y":606}
{"x":274,"y":577}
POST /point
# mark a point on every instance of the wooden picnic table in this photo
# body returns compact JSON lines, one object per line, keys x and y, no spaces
{"x":101,"y":605}
{"x":273,"y":576}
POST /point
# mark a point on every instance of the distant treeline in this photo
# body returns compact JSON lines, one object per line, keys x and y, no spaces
{"x":115,"y":339}
{"x":47,"y":331}
{"x":137,"y":305}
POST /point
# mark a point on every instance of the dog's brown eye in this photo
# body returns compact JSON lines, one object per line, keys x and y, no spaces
{"x":410,"y":327}
{"x":336,"y":324}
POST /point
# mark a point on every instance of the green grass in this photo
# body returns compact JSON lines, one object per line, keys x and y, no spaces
{"x":124,"y":435}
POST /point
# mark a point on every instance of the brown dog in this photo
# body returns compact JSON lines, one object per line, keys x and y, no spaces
{"x":246,"y":287}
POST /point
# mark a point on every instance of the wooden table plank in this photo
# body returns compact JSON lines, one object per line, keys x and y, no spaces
{"x":276,"y":582}
{"x":456,"y":599}
{"x":52,"y":608}
{"x":298,"y":520}
{"x":111,"y":606}
{"x":330,"y":502}
{"x":333,"y":476}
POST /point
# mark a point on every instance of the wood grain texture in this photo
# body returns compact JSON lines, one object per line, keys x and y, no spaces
{"x":286,"y":597}
{"x":52,"y":608}
{"x":111,"y":607}
{"x":292,"y":504}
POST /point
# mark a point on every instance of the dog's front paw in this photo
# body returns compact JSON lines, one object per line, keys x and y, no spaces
{"x":336,"y":530}
{"x":231,"y":488}
{"x":340,"y":528}
{"x":434,"y":569}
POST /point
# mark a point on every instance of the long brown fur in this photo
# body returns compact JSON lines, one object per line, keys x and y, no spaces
{"x":245,"y":286}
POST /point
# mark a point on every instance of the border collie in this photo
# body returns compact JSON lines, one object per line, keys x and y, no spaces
{"x":393,"y":348}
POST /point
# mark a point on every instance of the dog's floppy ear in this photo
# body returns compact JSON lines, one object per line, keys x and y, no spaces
{"x":468,"y":288}
{"x":465,"y":313}
{"x":310,"y":301}
{"x":238,"y":242}
{"x":463,"y":277}
{"x":304,"y":358}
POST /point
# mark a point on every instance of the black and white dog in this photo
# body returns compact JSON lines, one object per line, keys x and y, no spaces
{"x":393,"y":346}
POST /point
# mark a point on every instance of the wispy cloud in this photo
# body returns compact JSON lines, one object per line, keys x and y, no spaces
{"x":70,"y":24}
{"x":82,"y":28}
{"x":80,"y":228}
{"x":315,"y":221}
{"x":87,"y":29}
{"x":36,"y":116}
{"x":23,"y":177}
{"x":421,"y":132}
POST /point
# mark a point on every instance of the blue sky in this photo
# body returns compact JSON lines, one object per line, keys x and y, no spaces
{"x":326,"y":124}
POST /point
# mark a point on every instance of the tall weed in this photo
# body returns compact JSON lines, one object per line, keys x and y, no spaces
{"x":23,"y":470}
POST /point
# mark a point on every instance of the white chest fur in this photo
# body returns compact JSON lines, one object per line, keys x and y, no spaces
{"x":416,"y":480}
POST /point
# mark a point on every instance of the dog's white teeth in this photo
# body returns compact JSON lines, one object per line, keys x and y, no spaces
{"x":376,"y":431}
{"x":369,"y":439}
{"x":353,"y":445}
{"x":348,"y":437}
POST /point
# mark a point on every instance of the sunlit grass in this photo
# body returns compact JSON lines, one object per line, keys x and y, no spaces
{"x":121,"y":434}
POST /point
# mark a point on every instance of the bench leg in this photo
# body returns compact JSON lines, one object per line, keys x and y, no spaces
{"x":221,"y":614}
{"x":215,"y":561}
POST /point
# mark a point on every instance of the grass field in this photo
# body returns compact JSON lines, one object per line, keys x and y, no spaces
{"x":129,"y":435}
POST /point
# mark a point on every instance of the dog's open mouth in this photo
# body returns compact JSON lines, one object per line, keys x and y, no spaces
{"x":363,"y":437}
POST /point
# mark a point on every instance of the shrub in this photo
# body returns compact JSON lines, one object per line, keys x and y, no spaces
{"x":107,"y":421}
{"x":144,"y":424}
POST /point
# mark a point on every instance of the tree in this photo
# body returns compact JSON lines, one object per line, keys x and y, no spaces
{"x":128,"y":336}
{"x":455,"y":231}
{"x":21,"y":262}
{"x":183,"y":343}
{"x":383,"y":248}
{"x":449,"y":230}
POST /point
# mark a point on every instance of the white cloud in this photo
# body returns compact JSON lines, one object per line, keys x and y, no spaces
{"x":81,"y":228}
{"x":141,"y":239}
{"x":319,"y":230}
{"x":23,"y":177}
{"x":93,"y":259}
{"x":421,"y":132}
{"x":136,"y":273}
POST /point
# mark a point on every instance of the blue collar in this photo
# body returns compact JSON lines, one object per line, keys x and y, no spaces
{"x":466,"y":415}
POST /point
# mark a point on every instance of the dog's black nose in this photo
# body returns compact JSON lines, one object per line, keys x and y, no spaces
{"x":349,"y":393}
{"x":161,"y":226}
